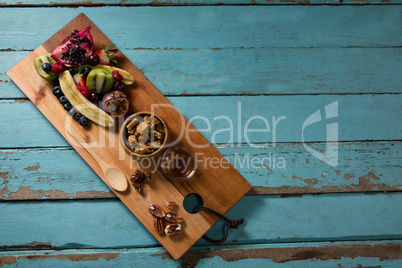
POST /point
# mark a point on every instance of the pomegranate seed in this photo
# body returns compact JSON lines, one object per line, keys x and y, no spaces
{"x":58,"y":68}
{"x":117,"y":76}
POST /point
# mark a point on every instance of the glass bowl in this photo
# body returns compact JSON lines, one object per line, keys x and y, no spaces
{"x":178,"y":163}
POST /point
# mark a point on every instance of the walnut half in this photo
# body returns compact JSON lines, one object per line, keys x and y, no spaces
{"x":156,"y":211}
{"x":171,"y":204}
{"x":173,"y":217}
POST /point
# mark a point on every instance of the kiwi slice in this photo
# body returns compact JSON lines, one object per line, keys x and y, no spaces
{"x":46,"y":58}
{"x":100,"y":80}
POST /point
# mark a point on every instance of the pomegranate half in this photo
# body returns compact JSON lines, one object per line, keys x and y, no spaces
{"x":75,"y":49}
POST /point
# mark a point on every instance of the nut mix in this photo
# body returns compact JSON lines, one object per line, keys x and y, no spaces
{"x":172,"y":219}
{"x":145,"y":135}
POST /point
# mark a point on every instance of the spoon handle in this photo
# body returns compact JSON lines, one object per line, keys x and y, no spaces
{"x":85,"y":145}
{"x":93,"y":154}
{"x":114,"y":178}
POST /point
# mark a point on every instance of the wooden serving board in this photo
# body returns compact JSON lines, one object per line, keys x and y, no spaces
{"x":220,"y":188}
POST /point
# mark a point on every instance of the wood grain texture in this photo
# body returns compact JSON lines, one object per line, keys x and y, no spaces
{"x":348,"y":253}
{"x":60,"y":173}
{"x":220,"y":189}
{"x":215,"y":27}
{"x":269,"y":219}
{"x":361,"y":117}
{"x":226,"y":71}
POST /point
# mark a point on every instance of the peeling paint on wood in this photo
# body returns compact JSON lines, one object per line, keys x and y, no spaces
{"x":35,"y":167}
{"x":78,"y":3}
{"x":177,"y":72}
{"x":319,"y":58}
{"x":64,"y":175}
{"x":363,"y":186}
{"x":9,"y":260}
{"x":233,"y":256}
{"x":371,"y":175}
{"x":26,"y":131}
{"x":21,"y":100}
{"x":26,"y":193}
{"x":284,"y":255}
{"x":347,"y":176}
{"x":157,"y":3}
{"x":29,"y":246}
{"x":269,"y":219}
{"x":242,"y":26}
{"x":95,"y":3}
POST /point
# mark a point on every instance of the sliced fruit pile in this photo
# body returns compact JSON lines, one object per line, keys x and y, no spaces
{"x":82,"y":104}
{"x":68,"y":107}
{"x":84,"y":78}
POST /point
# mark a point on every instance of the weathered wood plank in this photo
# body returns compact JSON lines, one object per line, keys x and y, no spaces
{"x":214,"y":27}
{"x":228,"y":119}
{"x":108,"y":224}
{"x":287,"y":169}
{"x":74,"y":3}
{"x":221,"y":189}
{"x":255,"y":71}
{"x":342,"y":254}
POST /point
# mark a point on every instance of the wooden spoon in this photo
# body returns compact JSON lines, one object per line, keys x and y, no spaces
{"x":114,"y":177}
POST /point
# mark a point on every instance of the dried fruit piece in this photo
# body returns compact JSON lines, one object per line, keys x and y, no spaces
{"x":156,"y":211}
{"x":159,"y":226}
{"x":173,"y":217}
{"x":138,"y":179}
{"x":171,"y":204}
{"x":173,"y":229}
{"x":143,"y":138}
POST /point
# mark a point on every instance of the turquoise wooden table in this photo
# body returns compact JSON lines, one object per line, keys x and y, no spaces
{"x":302,"y":97}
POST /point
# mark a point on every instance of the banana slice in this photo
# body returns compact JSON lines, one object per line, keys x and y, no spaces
{"x":128,"y":79}
{"x":80,"y":103}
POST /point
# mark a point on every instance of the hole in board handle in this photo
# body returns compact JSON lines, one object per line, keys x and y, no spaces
{"x":191,"y":202}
